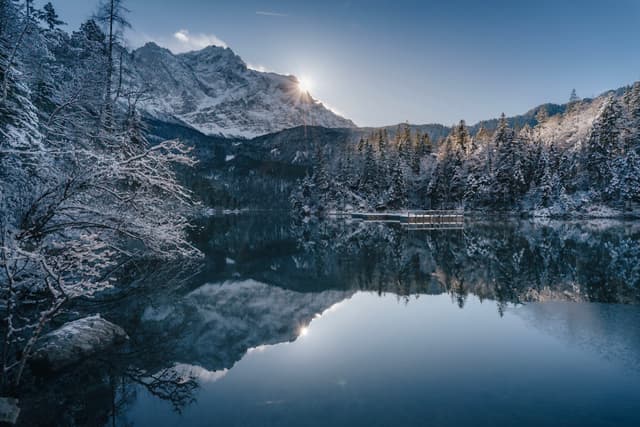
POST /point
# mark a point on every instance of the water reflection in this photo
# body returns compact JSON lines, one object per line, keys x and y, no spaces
{"x":507,"y":261}
{"x":353,"y":323}
{"x":378,"y":361}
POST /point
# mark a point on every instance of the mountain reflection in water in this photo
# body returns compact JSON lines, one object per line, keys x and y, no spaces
{"x":353,"y":323}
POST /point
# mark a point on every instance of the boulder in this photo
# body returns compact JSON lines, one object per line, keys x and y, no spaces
{"x":75,"y":341}
{"x":9,"y":410}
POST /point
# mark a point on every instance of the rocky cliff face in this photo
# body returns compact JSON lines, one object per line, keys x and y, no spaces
{"x":213,"y":91}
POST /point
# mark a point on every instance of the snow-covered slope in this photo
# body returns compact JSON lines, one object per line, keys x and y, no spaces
{"x":571,"y":129}
{"x":213,"y":91}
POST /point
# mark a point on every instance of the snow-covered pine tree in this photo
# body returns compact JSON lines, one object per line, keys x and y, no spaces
{"x":509,"y":176}
{"x":424,"y":147}
{"x":396,"y":197}
{"x":112,"y":14}
{"x":624,"y":187}
{"x":361,"y":145}
{"x":478,"y":176}
{"x":322,"y":185}
{"x":602,"y":145}
{"x":573,"y":98}
{"x":462,"y":139}
{"x":403,"y":143}
{"x":482,"y":136}
{"x":49,"y":16}
{"x":416,"y":153}
{"x":383,"y":159}
{"x":542,"y":115}
{"x":448,"y":182}
{"x":345,"y":170}
{"x":550,"y":187}
{"x":529,"y":154}
{"x":368,"y":184}
{"x":301,"y":198}
{"x":632,"y":101}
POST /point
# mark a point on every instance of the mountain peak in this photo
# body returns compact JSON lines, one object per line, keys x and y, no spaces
{"x":216,"y":56}
{"x":213,"y":91}
{"x":152,"y":46}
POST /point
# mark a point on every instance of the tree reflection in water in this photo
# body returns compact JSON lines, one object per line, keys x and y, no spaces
{"x":208,"y":315}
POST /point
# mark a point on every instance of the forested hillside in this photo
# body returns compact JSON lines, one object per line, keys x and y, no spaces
{"x":584,"y":159}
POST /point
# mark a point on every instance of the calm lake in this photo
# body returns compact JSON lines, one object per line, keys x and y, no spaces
{"x":346,"y":323}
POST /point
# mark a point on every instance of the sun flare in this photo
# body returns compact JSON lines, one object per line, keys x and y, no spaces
{"x":305,"y":84}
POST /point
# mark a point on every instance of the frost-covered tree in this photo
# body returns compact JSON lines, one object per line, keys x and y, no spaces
{"x":112,"y":14}
{"x":462,"y":139}
{"x":416,"y":153}
{"x":396,"y":197}
{"x":424,"y":147}
{"x":369,"y":177}
{"x":550,"y":187}
{"x":632,"y":131}
{"x":602,"y":145}
{"x":49,"y":16}
{"x":361,"y":144}
{"x":625,"y":182}
{"x":320,"y":170}
{"x":383,"y":159}
{"x":573,"y":98}
{"x":75,"y":207}
{"x":542,"y":115}
{"x":509,"y":170}
{"x":16,"y":25}
{"x":346,"y":170}
{"x":403,"y":143}
{"x":448,"y":182}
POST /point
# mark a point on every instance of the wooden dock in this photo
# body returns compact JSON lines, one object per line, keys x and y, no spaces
{"x":417,"y":220}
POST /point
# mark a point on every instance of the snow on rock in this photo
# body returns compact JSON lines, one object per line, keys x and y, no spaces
{"x":9,"y":410}
{"x":213,"y":91}
{"x":75,"y":341}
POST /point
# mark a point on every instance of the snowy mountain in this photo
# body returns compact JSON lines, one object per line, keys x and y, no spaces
{"x":217,"y":323}
{"x":213,"y":91}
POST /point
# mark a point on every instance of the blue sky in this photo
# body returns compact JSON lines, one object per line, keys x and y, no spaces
{"x":384,"y":62}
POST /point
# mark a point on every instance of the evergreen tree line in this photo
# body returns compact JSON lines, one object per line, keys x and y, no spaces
{"x":504,"y":169}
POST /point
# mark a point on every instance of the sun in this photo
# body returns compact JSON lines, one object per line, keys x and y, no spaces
{"x":305,"y":84}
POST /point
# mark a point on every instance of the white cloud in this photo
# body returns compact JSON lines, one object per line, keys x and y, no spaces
{"x":182,"y":35}
{"x":179,"y":42}
{"x":268,"y":13}
{"x":187,"y":41}
{"x":260,"y":68}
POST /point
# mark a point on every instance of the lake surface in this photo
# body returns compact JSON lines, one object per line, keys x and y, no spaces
{"x":361,"y":324}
